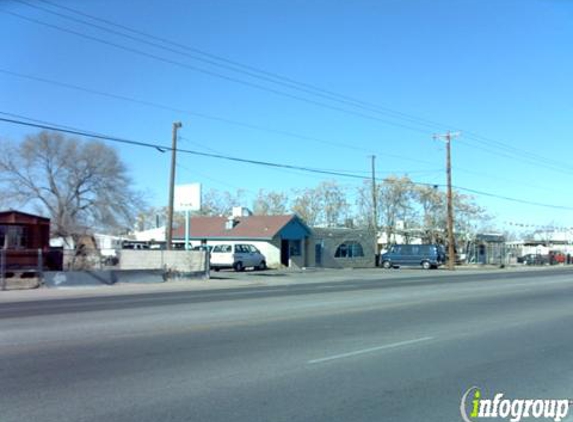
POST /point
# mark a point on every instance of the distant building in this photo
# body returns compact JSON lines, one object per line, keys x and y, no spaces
{"x":487,"y":249}
{"x":283,"y":239}
{"x":342,"y":248}
{"x":25,"y":240}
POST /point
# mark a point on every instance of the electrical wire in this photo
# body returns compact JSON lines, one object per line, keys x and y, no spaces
{"x":216,"y":75}
{"x":164,"y":148}
{"x":235,"y":66}
{"x":251,"y":71}
{"x":531,"y":158}
{"x":249,"y":126}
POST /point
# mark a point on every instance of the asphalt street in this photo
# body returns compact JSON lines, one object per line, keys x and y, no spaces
{"x":394,"y":349}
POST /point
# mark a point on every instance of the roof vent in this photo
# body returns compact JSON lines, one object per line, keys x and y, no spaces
{"x":231,"y":223}
{"x":241,"y":212}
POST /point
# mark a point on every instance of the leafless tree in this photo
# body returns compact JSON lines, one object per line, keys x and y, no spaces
{"x":220,"y":203}
{"x":153,"y":217}
{"x":307,"y":206}
{"x":334,"y":203}
{"x":325,"y":205}
{"x":432,"y":204}
{"x":81,"y":184}
{"x":469,"y":217}
{"x":395,"y":195}
{"x":270,"y":203}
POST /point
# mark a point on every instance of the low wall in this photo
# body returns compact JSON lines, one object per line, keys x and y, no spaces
{"x":179,"y":262}
{"x":137,"y":266}
{"x":55,"y":279}
{"x":78,"y":278}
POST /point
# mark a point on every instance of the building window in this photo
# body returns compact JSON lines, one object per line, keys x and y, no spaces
{"x":13,"y":237}
{"x":349,"y":250}
{"x":295,"y":249}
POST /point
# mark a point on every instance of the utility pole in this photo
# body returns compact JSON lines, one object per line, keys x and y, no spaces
{"x":451,"y":241}
{"x":169,"y":228}
{"x":374,"y":208}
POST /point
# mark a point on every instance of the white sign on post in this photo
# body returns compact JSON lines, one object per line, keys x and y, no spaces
{"x":187,"y":197}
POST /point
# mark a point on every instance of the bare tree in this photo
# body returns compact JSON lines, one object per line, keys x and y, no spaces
{"x":307,"y":206}
{"x":433,"y":205}
{"x":82,"y":185}
{"x":270,"y":203}
{"x":468,"y":216}
{"x":334,"y":204}
{"x":153,"y":217}
{"x":395,"y":196}
{"x":220,"y":203}
{"x":364,"y":212}
{"x":324,"y":205}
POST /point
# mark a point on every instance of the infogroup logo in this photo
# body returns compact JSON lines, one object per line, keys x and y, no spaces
{"x":474,"y":407}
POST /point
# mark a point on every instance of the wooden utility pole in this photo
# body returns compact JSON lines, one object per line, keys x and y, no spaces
{"x":374,"y":207}
{"x":451,"y":240}
{"x":169,"y":228}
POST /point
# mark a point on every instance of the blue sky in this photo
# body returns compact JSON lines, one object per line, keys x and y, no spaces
{"x":499,"y":71}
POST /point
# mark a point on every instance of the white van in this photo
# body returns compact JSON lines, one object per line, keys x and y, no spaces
{"x":237,"y":256}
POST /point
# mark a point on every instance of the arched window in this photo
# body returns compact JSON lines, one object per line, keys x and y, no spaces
{"x":349,"y":250}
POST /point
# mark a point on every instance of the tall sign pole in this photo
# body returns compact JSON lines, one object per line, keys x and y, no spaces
{"x":447,"y":137}
{"x":374,"y":208}
{"x":169,"y":228}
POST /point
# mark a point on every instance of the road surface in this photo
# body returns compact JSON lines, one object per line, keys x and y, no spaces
{"x":402,"y":349}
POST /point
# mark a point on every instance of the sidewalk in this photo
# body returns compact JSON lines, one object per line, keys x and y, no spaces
{"x":248,"y":279}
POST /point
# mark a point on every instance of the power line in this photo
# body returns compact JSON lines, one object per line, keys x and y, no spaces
{"x":537,"y":162}
{"x":249,"y":126}
{"x":530,"y":158}
{"x":517,"y":151}
{"x":288,"y":82}
{"x":215,"y":74}
{"x":163,"y":148}
{"x":235,"y":66}
{"x":516,"y":200}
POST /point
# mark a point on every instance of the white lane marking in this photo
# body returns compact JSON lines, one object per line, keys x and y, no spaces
{"x":369,"y":350}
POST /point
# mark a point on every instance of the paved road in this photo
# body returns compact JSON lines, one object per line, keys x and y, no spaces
{"x":355,"y":350}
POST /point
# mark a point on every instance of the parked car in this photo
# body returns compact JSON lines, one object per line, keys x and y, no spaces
{"x":238,"y":256}
{"x":533,"y":259}
{"x":426,"y":256}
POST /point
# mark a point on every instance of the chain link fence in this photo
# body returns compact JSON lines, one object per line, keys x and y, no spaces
{"x":26,"y":264}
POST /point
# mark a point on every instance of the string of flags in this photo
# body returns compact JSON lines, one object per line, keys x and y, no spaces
{"x":538,"y":227}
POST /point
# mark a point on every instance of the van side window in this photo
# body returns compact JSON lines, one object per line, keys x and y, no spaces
{"x":222,"y":248}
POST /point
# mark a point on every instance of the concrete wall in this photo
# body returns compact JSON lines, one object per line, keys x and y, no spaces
{"x":55,"y":279}
{"x":185,"y":262}
{"x":330,"y":239}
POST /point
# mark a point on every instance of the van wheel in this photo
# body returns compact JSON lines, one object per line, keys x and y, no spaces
{"x":239,"y":266}
{"x":386,"y":264}
{"x":262,"y":266}
{"x":426,"y":265}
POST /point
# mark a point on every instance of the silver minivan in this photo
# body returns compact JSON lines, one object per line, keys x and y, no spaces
{"x":237,"y":256}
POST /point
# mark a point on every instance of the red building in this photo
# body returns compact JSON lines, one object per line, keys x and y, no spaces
{"x":25,"y":240}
